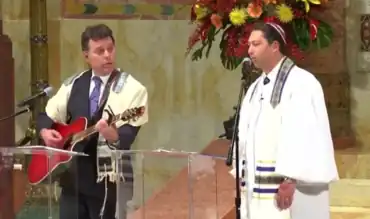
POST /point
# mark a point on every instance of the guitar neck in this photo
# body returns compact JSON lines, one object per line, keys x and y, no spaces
{"x":92,"y":130}
{"x":125,"y":116}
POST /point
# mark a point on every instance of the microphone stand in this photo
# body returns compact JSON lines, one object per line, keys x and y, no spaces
{"x":246,"y":80}
{"x":28,"y":136}
{"x":235,"y":147}
{"x":30,"y":133}
{"x":26,"y":110}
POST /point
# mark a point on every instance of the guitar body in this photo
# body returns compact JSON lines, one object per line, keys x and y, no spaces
{"x":38,"y":168}
{"x":43,"y":166}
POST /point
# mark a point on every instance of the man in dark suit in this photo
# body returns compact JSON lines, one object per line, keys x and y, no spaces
{"x":87,"y":190}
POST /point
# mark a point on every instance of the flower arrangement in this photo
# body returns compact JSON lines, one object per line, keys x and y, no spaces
{"x":234,"y":19}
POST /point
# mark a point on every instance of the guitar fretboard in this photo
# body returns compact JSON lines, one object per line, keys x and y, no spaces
{"x":125,"y":116}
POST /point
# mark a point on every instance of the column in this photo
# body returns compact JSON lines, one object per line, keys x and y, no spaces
{"x":39,"y":50}
{"x":7,"y":128}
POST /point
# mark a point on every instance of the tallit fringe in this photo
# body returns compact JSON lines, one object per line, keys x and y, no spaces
{"x":113,"y":177}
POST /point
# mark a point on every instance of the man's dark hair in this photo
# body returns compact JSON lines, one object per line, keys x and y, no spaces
{"x":95,"y":32}
{"x":270,"y":34}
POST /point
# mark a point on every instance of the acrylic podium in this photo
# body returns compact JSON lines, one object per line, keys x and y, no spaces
{"x":39,"y":200}
{"x":169,"y":184}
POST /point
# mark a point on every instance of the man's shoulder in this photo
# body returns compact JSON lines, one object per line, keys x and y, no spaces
{"x":303,"y":78}
{"x":254,"y":83}
{"x":70,"y":80}
{"x":303,"y":75}
{"x":134,"y":82}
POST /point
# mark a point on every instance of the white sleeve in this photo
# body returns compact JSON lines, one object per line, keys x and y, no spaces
{"x":305,"y":150}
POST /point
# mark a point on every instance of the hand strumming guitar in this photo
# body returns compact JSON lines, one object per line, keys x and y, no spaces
{"x":110,"y":133}
{"x":51,"y":137}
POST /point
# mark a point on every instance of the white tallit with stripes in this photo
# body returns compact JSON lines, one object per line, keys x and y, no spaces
{"x":125,"y":93}
{"x":284,"y":131}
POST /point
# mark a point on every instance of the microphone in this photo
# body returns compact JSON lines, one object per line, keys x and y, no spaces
{"x":46,"y":92}
{"x":246,"y":67}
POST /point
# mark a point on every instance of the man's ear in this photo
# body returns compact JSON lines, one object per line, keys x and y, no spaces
{"x":275,"y":46}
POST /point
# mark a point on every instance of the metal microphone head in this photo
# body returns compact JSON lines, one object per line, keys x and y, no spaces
{"x":246,"y":67}
{"x":247,"y":60}
{"x":48,"y":91}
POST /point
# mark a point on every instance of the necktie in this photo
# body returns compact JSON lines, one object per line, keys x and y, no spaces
{"x":266,"y":81}
{"x":95,"y":95}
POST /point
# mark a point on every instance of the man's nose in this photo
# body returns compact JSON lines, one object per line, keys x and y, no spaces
{"x":250,"y":52}
{"x":107,"y":54}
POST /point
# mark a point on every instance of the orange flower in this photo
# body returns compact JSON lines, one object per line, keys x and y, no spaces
{"x":216,"y":20}
{"x":270,"y":2}
{"x":254,"y":10}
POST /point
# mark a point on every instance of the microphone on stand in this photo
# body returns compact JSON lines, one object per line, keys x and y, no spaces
{"x":45,"y":92}
{"x":26,"y":102}
{"x":247,"y":68}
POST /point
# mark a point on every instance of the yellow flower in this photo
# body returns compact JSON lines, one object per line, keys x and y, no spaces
{"x":200,"y":12}
{"x":308,"y":2}
{"x":284,"y":13}
{"x":238,"y":16}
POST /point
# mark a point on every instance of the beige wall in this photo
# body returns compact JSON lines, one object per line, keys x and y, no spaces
{"x":359,"y":69}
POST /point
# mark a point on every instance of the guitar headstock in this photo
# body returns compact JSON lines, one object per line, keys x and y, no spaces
{"x":132,"y":113}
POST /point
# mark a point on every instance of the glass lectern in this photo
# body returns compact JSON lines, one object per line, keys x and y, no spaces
{"x":168,"y":184}
{"x":36,"y":200}
{"x":154,"y":184}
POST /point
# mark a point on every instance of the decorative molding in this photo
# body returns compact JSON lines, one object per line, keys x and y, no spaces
{"x":39,"y":39}
{"x":119,"y":9}
{"x":365,"y":32}
{"x":337,"y":96}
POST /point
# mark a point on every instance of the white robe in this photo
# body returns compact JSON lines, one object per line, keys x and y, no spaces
{"x":295,"y":137}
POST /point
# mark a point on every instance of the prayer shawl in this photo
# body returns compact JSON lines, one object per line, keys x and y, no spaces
{"x":303,"y":142}
{"x":125,"y":93}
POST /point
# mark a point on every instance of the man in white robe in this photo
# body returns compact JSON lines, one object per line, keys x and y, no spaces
{"x":285,"y":145}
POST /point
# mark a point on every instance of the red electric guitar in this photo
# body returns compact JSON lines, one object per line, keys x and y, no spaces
{"x":39,"y":170}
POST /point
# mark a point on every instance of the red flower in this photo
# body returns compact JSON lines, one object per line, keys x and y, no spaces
{"x":271,"y":19}
{"x":314,"y":24}
{"x":216,"y":20}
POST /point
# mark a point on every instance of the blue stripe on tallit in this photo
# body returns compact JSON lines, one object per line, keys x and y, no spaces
{"x":265,"y":169}
{"x":265,"y":191}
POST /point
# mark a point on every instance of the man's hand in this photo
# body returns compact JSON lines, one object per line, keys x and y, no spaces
{"x":51,"y":137}
{"x":284,"y":197}
{"x":110,"y":133}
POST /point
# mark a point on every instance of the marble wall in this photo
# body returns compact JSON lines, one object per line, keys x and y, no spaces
{"x":358,"y":61}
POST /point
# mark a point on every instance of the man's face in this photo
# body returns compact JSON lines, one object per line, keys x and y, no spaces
{"x":101,"y":55}
{"x":260,"y":51}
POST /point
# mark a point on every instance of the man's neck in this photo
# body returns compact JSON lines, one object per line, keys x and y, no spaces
{"x":272,"y":64}
{"x":100,"y":74}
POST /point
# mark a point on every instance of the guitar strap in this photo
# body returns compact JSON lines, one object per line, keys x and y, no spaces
{"x":98,"y":113}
